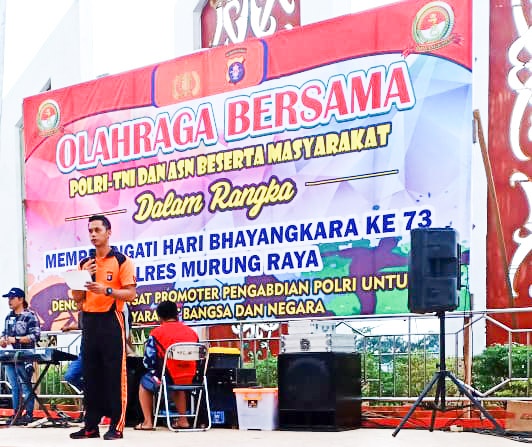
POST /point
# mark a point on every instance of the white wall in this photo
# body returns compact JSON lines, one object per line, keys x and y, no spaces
{"x":479,"y":185}
{"x":128,"y":34}
{"x":57,"y":62}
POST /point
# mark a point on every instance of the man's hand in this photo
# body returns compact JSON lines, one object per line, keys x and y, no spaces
{"x":95,"y":287}
{"x":3,"y":342}
{"x":90,"y":266}
{"x":127,"y":293}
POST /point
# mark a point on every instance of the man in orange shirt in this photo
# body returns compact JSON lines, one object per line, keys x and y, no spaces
{"x":103,"y":337}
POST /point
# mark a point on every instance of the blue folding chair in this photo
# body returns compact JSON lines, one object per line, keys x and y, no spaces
{"x":197,"y":390}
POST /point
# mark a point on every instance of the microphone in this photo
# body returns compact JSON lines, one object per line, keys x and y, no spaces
{"x":92,"y":255}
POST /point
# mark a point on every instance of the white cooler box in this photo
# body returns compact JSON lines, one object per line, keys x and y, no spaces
{"x":257,"y":408}
{"x":318,"y":343}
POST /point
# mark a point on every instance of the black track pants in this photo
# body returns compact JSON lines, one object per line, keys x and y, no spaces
{"x":104,"y":368}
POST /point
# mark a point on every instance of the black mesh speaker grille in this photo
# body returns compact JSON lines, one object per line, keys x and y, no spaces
{"x":433,"y":270}
{"x":308,"y":383}
{"x":319,"y":390}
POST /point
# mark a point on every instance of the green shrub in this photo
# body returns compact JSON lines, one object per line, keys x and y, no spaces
{"x":266,"y":371}
{"x":394,"y":374}
{"x":53,"y":384}
{"x":491,"y":368}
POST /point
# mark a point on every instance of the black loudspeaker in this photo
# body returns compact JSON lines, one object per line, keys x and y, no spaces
{"x":433,"y":270}
{"x":319,"y":390}
{"x":222,"y":400}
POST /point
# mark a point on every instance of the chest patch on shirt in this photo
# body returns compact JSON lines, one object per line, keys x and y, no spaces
{"x":109,"y":276}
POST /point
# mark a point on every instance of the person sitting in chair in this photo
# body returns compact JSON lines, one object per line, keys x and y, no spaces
{"x":182,"y":372}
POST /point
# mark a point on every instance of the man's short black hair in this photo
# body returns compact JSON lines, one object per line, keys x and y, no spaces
{"x":167,"y":310}
{"x":103,"y":219}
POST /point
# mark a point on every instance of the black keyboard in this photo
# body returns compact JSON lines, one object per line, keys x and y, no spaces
{"x":39,"y":355}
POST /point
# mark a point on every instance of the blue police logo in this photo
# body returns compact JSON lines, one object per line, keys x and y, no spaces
{"x":236,"y":72}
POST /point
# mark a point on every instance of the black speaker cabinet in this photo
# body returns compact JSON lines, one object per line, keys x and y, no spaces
{"x":433,"y":270}
{"x":319,"y":390}
{"x":222,"y":400}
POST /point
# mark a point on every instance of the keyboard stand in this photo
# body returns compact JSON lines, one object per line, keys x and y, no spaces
{"x":43,"y":356}
{"x":59,"y":421}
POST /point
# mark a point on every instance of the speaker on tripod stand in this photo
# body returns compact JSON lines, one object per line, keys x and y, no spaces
{"x":433,"y":285}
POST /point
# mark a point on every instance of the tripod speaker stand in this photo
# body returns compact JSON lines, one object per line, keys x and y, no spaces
{"x":439,"y":381}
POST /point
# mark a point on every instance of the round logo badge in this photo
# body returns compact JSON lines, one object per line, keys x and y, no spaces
{"x":48,"y":116}
{"x":434,"y":23}
{"x":236,"y":72}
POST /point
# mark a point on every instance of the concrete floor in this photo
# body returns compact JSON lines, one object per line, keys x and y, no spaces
{"x":54,"y":437}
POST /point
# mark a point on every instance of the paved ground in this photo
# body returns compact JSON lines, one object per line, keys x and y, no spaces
{"x":54,"y":437}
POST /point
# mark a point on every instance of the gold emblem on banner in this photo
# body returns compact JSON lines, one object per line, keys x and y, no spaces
{"x":48,"y":118}
{"x":433,"y":26}
{"x":186,"y":85}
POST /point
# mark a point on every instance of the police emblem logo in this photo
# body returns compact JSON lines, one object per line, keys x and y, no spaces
{"x":109,"y":276}
{"x":236,"y":70}
{"x":235,"y":65}
{"x":48,"y":116}
{"x":433,"y":26}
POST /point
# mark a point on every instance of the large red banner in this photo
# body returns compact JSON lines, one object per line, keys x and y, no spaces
{"x":271,"y":179}
{"x":510,"y":152}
